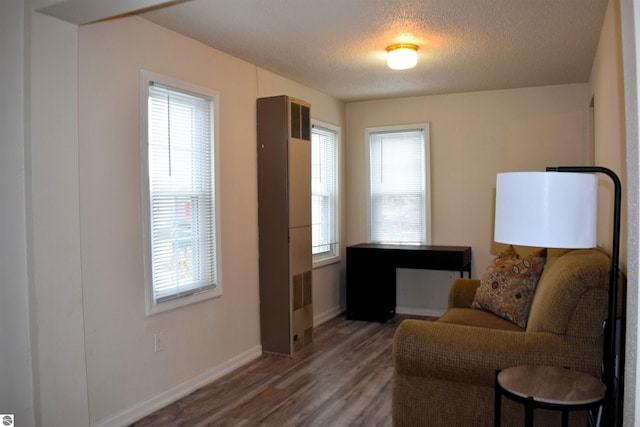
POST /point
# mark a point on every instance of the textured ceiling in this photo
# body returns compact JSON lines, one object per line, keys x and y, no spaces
{"x":338,"y":46}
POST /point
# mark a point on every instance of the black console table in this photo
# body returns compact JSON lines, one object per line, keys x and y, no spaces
{"x":371,"y":274}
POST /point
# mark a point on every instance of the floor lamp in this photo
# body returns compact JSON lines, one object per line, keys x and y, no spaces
{"x":559,"y":210}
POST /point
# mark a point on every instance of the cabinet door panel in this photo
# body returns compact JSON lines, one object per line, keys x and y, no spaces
{"x":300,"y":249}
{"x":299,"y":183}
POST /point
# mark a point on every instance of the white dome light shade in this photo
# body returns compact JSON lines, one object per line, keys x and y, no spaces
{"x":546,"y":209}
{"x":402,"y":56}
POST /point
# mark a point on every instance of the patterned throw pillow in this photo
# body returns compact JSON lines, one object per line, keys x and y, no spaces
{"x":508,"y":285}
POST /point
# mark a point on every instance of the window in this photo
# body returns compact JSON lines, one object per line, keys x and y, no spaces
{"x":179,"y":197}
{"x":324,"y":190}
{"x":399,"y":205}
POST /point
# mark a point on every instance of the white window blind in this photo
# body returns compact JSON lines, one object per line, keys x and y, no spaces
{"x":324,"y":189}
{"x":181,"y":193}
{"x":398,"y":186}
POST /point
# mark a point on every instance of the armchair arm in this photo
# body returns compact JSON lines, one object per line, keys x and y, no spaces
{"x":471,"y":355}
{"x":462,"y":292}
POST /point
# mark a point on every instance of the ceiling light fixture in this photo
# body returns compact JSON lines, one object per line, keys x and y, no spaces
{"x":402,"y":56}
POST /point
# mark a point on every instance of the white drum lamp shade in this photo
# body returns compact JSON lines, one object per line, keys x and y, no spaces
{"x":546,"y":209}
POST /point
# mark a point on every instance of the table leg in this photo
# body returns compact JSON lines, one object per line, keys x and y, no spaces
{"x":528,"y":412}
{"x":497,"y":410}
{"x":497,"y":405}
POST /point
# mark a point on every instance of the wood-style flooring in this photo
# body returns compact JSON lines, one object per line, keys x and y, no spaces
{"x":343,"y":378}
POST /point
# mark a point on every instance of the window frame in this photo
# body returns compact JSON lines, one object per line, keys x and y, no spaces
{"x":330,"y":257}
{"x":424,"y":127}
{"x":152,"y":306}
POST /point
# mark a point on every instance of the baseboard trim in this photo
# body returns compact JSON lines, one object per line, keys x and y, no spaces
{"x":327,"y":315}
{"x":418,"y":311}
{"x":143,"y":409}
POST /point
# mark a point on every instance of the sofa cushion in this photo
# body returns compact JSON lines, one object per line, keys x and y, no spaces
{"x":480,"y":319}
{"x":508,"y":285}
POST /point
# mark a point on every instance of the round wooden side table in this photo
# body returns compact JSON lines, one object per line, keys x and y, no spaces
{"x":548,"y":387}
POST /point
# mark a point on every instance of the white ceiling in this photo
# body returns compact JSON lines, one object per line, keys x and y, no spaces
{"x":338,"y":46}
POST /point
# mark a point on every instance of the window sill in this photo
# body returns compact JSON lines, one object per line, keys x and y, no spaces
{"x":323,"y":262}
{"x":155,"y":308}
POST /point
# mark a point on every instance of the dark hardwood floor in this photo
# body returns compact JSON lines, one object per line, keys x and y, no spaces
{"x":342,"y":379}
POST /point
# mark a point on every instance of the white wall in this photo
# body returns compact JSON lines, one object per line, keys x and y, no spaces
{"x":473,"y":137}
{"x":630,"y":24}
{"x":56,"y":305}
{"x":16,"y":375}
{"x":329,"y":292}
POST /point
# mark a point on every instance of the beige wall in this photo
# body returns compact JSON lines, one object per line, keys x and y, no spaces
{"x":90,"y":337}
{"x":473,"y":137}
{"x":203,"y":340}
{"x":617,"y":150}
{"x":606,"y":84}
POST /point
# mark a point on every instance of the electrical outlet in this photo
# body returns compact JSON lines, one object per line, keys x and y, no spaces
{"x":158,"y":345}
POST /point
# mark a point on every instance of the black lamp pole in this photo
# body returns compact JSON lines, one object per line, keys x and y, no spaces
{"x":613,"y":405}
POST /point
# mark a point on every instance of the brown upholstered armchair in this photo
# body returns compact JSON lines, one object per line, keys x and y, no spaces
{"x":444,"y":371}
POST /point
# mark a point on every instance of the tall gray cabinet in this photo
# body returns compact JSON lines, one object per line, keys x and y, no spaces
{"x":284,"y":221}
